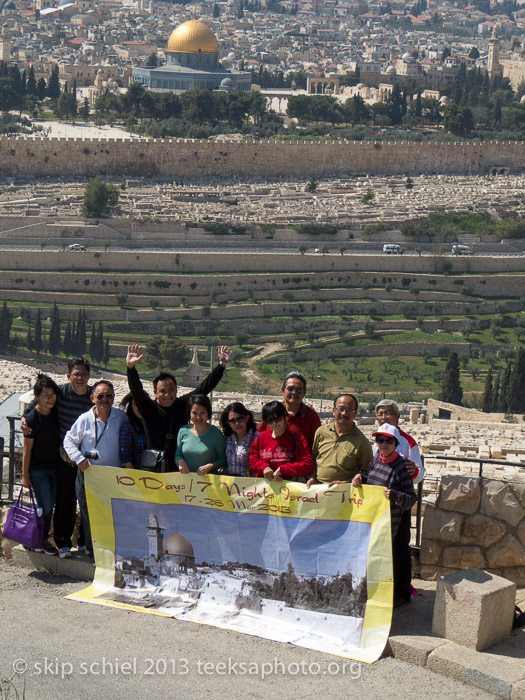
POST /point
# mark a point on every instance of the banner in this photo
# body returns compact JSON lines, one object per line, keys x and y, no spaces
{"x":312,"y":567}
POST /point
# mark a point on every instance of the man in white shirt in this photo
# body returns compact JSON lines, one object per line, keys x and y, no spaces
{"x":94,"y":439}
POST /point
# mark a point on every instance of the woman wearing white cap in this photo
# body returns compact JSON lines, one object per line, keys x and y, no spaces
{"x":390,"y":471}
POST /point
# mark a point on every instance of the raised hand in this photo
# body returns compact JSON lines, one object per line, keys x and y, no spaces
{"x":134,"y":355}
{"x":224,"y":354}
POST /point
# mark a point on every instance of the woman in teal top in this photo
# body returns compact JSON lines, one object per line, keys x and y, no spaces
{"x":200,"y":445}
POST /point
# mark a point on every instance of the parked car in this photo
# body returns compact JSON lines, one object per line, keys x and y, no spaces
{"x":458,"y":249}
{"x":392,"y":249}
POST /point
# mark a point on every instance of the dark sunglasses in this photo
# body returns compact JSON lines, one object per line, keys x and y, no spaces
{"x":389,"y":441}
{"x":239,"y":419}
{"x":273,"y":419}
{"x":103,"y":396}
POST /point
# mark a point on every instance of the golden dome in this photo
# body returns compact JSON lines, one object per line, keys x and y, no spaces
{"x":193,"y":37}
{"x":176,"y":543}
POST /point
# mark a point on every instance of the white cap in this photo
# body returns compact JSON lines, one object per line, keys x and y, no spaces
{"x":389,"y":430}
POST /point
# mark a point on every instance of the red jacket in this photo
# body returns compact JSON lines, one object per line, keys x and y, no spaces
{"x":268,"y":451}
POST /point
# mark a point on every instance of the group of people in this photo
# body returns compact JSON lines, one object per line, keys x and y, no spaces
{"x":72,"y":426}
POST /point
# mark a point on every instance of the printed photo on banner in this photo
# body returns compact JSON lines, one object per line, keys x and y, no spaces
{"x":274,"y":560}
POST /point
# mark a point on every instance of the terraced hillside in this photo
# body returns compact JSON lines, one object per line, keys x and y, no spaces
{"x":363,"y":322}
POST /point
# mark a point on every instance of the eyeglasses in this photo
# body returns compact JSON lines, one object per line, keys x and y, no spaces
{"x":271,"y":421}
{"x":389,"y":441}
{"x":294,"y":389}
{"x":79,"y":375}
{"x":104,"y":396}
{"x":238,"y":419}
{"x":345,"y":410}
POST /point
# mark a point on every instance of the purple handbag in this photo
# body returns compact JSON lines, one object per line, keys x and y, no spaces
{"x":23,"y":524}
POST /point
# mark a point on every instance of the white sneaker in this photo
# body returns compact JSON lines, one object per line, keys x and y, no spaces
{"x":82,"y":550}
{"x":64,"y":553}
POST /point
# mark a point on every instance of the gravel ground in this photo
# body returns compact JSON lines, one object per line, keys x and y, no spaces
{"x":76,"y":650}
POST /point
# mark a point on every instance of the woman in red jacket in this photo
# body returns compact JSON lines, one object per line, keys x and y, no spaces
{"x":278,"y":453}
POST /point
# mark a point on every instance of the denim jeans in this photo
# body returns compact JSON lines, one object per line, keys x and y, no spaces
{"x":82,"y":502}
{"x":45,"y":485}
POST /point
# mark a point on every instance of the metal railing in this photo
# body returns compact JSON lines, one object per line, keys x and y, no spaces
{"x":8,"y":485}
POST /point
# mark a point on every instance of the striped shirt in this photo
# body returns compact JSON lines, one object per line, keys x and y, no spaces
{"x":238,"y":453}
{"x":393,"y":475}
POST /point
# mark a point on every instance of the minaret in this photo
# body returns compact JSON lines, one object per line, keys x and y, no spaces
{"x":155,"y":537}
{"x":493,"y":64}
{"x":5,"y":45}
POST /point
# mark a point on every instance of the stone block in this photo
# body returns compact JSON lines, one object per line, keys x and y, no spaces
{"x":414,"y":649}
{"x":430,"y":552}
{"x":441,"y":525}
{"x":518,"y":691}
{"x":486,"y":671}
{"x":516,"y":574}
{"x":463,"y":557}
{"x":519,"y":492}
{"x":459,"y":493}
{"x":520,"y":530}
{"x":482,"y":530}
{"x":498,"y":501}
{"x":473,"y":608}
{"x":507,"y":552}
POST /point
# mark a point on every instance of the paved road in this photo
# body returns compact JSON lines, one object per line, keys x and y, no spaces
{"x":76,"y":650}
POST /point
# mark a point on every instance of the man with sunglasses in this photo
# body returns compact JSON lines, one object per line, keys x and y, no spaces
{"x":94,"y":439}
{"x":299,"y":417}
{"x":340,"y":449}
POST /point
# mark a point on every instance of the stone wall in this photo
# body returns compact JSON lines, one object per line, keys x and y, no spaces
{"x":29,"y":156}
{"x":228,"y":262}
{"x":475,"y":522}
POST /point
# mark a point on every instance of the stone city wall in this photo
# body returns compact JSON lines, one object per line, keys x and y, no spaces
{"x":460,"y":413}
{"x":216,"y":262}
{"x":186,"y":158}
{"x":475,"y":522}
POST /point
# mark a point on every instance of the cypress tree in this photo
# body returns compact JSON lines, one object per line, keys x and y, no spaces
{"x":30,"y":343}
{"x":451,"y":390}
{"x":100,"y":342}
{"x":68,"y":343}
{"x":31,"y":82}
{"x":41,"y":89}
{"x":495,"y":393}
{"x":5,"y":327}
{"x":79,"y":343}
{"x":55,"y":343}
{"x":107,"y":353}
{"x":53,"y":85}
{"x":503,"y":389}
{"x":93,"y":344}
{"x":516,"y":388}
{"x":38,"y":333}
{"x":488,"y":395}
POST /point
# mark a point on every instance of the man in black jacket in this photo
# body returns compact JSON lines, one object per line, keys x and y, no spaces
{"x":167,"y":412}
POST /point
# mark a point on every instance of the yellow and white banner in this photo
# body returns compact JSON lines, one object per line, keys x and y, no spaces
{"x":312,"y":567}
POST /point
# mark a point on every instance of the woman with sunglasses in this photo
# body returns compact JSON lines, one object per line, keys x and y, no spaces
{"x":278,"y":453}
{"x":390,"y":471}
{"x":238,"y":426}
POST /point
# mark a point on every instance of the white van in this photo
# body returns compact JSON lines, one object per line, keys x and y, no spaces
{"x":459,"y":249}
{"x":392,"y":249}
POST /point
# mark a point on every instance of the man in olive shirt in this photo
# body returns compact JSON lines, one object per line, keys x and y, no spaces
{"x":340,"y":449}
